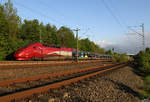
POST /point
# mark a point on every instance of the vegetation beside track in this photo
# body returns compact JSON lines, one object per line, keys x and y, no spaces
{"x":120,"y":57}
{"x":142,"y":61}
{"x":15,"y":33}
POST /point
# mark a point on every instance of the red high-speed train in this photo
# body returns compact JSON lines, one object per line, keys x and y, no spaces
{"x":38,"y":50}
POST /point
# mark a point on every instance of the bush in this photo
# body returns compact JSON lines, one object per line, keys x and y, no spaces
{"x":143,"y":64}
{"x":147,"y":84}
{"x":119,"y":58}
{"x":143,"y":61}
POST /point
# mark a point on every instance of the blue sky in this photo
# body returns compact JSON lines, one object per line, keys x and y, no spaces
{"x":91,"y":16}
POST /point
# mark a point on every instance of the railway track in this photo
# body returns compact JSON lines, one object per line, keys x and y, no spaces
{"x":27,"y":87}
{"x":44,"y":62}
{"x":29,"y":64}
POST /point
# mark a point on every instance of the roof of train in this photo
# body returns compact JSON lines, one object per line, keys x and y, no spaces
{"x":48,"y":45}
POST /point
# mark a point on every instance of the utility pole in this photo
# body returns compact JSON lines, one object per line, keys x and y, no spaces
{"x":141,"y":34}
{"x":113,"y":51}
{"x":77,"y":29}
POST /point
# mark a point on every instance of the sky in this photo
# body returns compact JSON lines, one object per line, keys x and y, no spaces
{"x":103,"y":21}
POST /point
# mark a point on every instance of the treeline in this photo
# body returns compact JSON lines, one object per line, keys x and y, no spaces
{"x":14,"y":33}
{"x":142,"y":60}
{"x":116,"y":57}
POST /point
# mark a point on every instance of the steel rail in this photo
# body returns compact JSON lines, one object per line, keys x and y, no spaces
{"x":44,"y":65}
{"x":33,"y":78}
{"x":39,"y":62}
{"x":31,"y":92}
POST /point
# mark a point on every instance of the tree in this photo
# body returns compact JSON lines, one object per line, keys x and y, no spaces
{"x":3,"y":34}
{"x":66,"y":37}
{"x":8,"y":30}
{"x":13,"y":20}
{"x":51,"y":35}
{"x":89,"y":46}
{"x":143,"y":61}
{"x":109,"y":52}
{"x":30,"y":31}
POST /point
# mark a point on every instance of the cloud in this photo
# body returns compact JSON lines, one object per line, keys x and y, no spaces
{"x":128,"y":43}
{"x":105,"y":43}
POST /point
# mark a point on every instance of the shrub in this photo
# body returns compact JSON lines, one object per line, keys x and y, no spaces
{"x":143,"y":64}
{"x":147,"y":84}
{"x":143,"y":61}
{"x":119,"y":58}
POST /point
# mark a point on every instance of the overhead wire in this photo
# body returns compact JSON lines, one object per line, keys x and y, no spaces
{"x":123,"y":23}
{"x":38,"y":12}
{"x":85,"y":32}
{"x":58,"y":12}
{"x":112,"y":13}
{"x":135,"y":32}
{"x":47,"y":6}
{"x":116,"y":18}
{"x":42,"y":2}
{"x":118,"y":15}
{"x":132,"y":30}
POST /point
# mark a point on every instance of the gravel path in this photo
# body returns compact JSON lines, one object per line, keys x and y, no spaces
{"x":121,"y":85}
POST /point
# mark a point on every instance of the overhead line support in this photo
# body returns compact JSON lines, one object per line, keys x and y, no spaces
{"x":76,"y":30}
{"x":141,"y":34}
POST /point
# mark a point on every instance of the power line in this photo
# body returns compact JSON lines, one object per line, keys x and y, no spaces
{"x":135,"y":41}
{"x":141,"y":34}
{"x":120,"y":18}
{"x":111,"y":12}
{"x":123,"y":24}
{"x":38,"y":12}
{"x":42,"y":2}
{"x":84,"y":33}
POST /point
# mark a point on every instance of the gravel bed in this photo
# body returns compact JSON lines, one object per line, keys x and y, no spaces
{"x":121,"y":85}
{"x":40,"y":62}
{"x":6,"y":74}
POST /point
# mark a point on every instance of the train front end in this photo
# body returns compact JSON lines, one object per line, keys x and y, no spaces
{"x":29,"y":52}
{"x":24,"y":53}
{"x":20,"y":54}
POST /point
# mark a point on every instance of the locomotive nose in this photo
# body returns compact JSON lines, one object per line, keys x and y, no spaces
{"x":19,"y":53}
